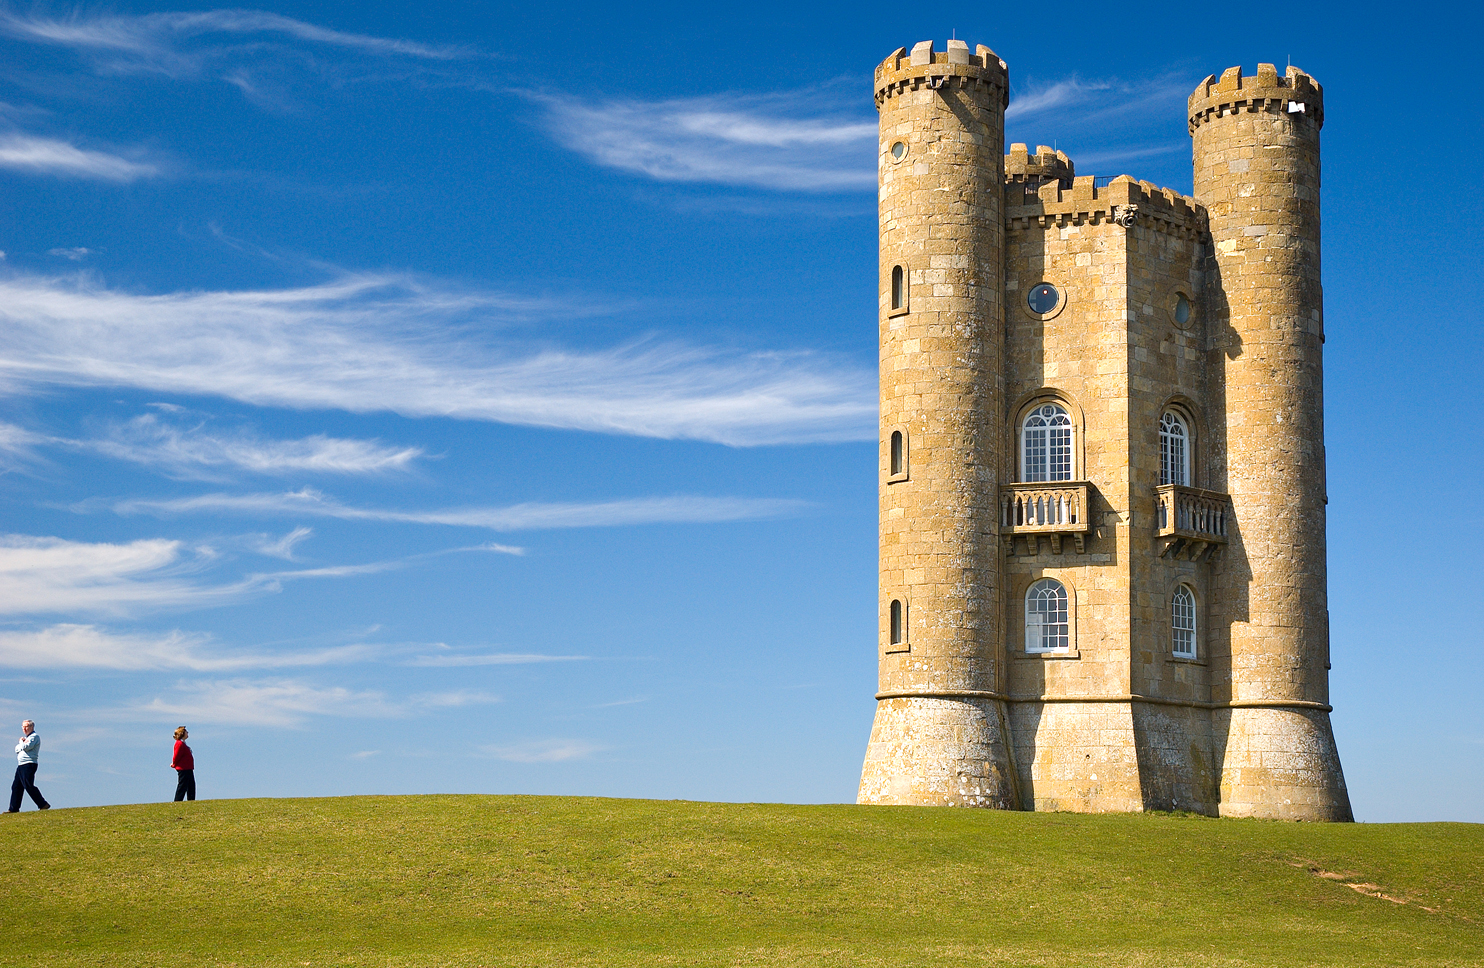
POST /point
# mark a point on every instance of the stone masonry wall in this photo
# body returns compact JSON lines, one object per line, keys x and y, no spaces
{"x":942,"y":222}
{"x":1256,"y":157}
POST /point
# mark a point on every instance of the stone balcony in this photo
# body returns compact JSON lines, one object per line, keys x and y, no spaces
{"x":1190,"y":523}
{"x":1056,"y":510}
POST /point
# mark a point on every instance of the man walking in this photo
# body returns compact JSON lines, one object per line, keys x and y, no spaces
{"x":27,"y":751}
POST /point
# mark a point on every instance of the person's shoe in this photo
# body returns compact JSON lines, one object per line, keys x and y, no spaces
{"x":44,"y":806}
{"x":12,"y":811}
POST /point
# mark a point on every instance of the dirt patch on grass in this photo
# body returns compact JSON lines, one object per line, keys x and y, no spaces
{"x":1358,"y":886}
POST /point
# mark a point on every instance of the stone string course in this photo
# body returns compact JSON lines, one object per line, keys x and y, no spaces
{"x":966,"y":716}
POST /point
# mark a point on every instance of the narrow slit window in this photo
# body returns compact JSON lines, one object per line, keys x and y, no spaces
{"x":1047,"y":617}
{"x":898,"y":288}
{"x":1182,"y":622}
{"x":1174,"y":450}
{"x":897,"y":630}
{"x":898,"y":453}
{"x":1046,"y":444}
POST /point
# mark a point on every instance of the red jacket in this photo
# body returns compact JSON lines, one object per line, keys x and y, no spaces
{"x":182,"y":760}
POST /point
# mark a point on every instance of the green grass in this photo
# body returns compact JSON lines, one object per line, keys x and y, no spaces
{"x":463,"y":880}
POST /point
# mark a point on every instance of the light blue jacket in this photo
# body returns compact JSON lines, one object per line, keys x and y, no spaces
{"x":28,"y":749}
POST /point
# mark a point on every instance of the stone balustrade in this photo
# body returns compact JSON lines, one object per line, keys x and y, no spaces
{"x":1053,"y":509}
{"x":1190,"y":522}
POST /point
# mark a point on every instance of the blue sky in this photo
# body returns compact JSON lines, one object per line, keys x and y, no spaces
{"x":447,"y":400}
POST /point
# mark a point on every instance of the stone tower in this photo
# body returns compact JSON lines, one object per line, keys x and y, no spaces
{"x":940,"y":733}
{"x":1256,"y":155}
{"x":1102,"y":550}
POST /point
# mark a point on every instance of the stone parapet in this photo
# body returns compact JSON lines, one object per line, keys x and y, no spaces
{"x":1123,"y":201}
{"x":925,"y":67}
{"x":1292,"y":93}
{"x":1047,"y":164}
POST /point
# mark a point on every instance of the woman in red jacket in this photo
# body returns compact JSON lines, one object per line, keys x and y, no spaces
{"x":184,"y":765}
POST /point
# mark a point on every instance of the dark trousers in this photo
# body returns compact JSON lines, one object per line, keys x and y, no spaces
{"x":25,"y":782}
{"x":185,"y":785}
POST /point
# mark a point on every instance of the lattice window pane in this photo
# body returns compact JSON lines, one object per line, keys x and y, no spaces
{"x":1174,"y":452}
{"x":1046,"y":445}
{"x":1047,"y":625}
{"x":1182,"y":622}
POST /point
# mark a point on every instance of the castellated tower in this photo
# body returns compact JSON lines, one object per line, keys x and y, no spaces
{"x":1257,"y":173}
{"x":940,"y":732}
{"x":1102,"y":466}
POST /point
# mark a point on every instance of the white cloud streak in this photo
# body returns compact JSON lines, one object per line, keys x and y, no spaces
{"x":494,"y":658}
{"x":176,"y":44}
{"x":69,"y":646}
{"x":194,"y":451}
{"x":278,"y":547}
{"x":261,"y":702}
{"x":544,"y":750}
{"x":454,"y":699}
{"x":516,"y":517}
{"x":778,"y":141}
{"x":40,"y":576}
{"x":377,"y":343}
{"x":49,"y":156}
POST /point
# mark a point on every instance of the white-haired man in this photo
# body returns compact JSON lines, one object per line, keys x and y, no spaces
{"x":27,"y":752}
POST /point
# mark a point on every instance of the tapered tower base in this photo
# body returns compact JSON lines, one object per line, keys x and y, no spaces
{"x":939,"y":752}
{"x":1281,"y":764}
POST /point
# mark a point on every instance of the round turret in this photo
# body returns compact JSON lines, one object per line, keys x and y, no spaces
{"x":939,"y":736}
{"x":1256,"y":159}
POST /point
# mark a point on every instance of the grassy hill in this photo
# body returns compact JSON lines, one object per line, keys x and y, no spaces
{"x":464,"y":880}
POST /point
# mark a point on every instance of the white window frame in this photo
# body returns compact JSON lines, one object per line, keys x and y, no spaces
{"x":1184,"y":622}
{"x":1023,"y":442}
{"x":1166,"y":420}
{"x":1036,"y":626}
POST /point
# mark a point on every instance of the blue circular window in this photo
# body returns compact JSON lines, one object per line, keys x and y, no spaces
{"x":1043,"y":298}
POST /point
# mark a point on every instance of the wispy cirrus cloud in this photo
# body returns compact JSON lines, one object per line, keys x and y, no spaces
{"x":273,"y":547}
{"x":36,"y":155}
{"x":794,"y":141}
{"x":454,"y":698}
{"x":378,"y":343}
{"x":681,"y":509}
{"x":544,"y":750}
{"x":181,"y":44}
{"x":290,"y":703}
{"x":39,"y":575}
{"x":455,"y":660}
{"x":45,"y":575}
{"x":192,"y":449}
{"x":72,"y":646}
{"x":261,"y":702}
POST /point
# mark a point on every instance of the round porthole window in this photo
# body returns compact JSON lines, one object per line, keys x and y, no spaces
{"x":1043,"y":299}
{"x":899,"y":151}
{"x":1182,"y":310}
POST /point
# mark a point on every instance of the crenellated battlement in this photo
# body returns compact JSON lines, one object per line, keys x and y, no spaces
{"x":1047,"y":164}
{"x":1293,"y":93}
{"x":1124,"y":201}
{"x":927,"y":68}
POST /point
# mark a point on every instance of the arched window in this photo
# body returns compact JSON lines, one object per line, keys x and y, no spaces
{"x":898,"y":288}
{"x":1174,"y":450}
{"x":1182,"y":622}
{"x":1047,"y":620}
{"x":1046,"y":444}
{"x":898,"y":463}
{"x":898,"y":626}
